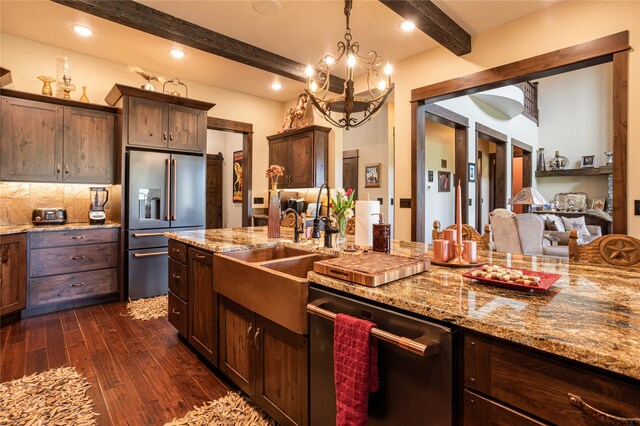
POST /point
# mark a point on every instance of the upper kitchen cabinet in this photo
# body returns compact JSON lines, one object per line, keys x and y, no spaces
{"x":304,"y":155}
{"x":47,"y":139}
{"x":161,"y":121}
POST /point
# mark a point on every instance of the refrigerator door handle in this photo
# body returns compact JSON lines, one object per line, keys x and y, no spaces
{"x":175,"y":190}
{"x":168,"y":192}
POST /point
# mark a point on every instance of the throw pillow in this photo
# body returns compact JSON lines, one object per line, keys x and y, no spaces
{"x":554,"y":223}
{"x":576,"y":223}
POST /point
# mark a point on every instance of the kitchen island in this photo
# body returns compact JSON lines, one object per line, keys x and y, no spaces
{"x":587,"y":326}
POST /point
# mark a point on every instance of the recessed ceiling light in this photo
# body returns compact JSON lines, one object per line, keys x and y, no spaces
{"x":177,"y":53}
{"x":276,"y":86}
{"x":82,"y":30}
{"x":407,"y":26}
{"x":266,"y":7}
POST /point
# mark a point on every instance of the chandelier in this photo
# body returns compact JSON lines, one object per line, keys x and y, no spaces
{"x":339,"y":110}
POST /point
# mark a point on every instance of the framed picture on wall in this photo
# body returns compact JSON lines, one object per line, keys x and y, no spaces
{"x":444,"y":181}
{"x":372,"y":175}
{"x":588,"y":161}
{"x":472,"y":172}
{"x":237,"y":176}
{"x":598,"y":203}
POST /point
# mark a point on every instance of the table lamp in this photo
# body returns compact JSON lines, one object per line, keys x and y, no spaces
{"x":528,"y":196}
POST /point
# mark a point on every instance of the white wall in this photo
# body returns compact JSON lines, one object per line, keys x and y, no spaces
{"x":576,"y":119}
{"x":440,"y":145}
{"x":27,"y":59}
{"x":372,"y":142}
{"x":227,"y":143}
{"x":556,"y":27}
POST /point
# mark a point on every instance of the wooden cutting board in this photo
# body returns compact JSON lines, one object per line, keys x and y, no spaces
{"x":371,"y":269}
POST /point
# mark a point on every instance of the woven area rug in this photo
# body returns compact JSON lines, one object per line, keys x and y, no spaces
{"x":231,"y":409}
{"x":148,"y":309}
{"x":55,"y":397}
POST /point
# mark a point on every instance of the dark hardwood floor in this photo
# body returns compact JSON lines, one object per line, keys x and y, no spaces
{"x":141,"y":372}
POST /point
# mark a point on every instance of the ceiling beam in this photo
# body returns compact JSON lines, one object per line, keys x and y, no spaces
{"x":433,"y":22}
{"x":152,"y":21}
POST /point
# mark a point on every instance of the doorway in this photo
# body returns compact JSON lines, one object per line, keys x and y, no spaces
{"x":350,"y":171}
{"x":521,"y":171}
{"x":494,"y":147}
{"x":213,"y":199}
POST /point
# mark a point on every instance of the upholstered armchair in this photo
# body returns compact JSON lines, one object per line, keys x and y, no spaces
{"x":522,"y":234}
{"x":469,"y":233}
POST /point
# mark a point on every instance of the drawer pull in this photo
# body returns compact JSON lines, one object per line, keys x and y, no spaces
{"x":150,"y":234}
{"x":175,"y":250}
{"x":155,"y":253}
{"x":77,"y":237}
{"x":78,"y":257}
{"x":175,"y":312}
{"x":76,"y":285}
{"x":177,"y":277}
{"x":200,"y":256}
{"x":601,"y":416}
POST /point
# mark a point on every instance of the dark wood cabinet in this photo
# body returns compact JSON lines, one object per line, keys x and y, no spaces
{"x":304,"y":155}
{"x":13,"y":273}
{"x":156,"y":124}
{"x":203,"y":305}
{"x":179,"y":287}
{"x":214,"y":191}
{"x":52,"y":140}
{"x":31,"y":141}
{"x":534,"y":385}
{"x":72,"y":268}
{"x":267,"y":361}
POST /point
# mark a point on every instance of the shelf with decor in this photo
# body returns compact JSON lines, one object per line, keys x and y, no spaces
{"x":585,"y":171}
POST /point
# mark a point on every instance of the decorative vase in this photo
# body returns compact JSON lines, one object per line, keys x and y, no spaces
{"x":341,"y":240}
{"x":542,"y":163}
{"x":273,"y":229}
{"x":84,"y":97}
{"x":558,"y":162}
{"x":46,"y":85}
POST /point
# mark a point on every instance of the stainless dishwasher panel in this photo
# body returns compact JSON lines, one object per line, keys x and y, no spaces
{"x":413,"y":390}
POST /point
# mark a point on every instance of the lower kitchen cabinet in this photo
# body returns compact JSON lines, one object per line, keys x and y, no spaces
{"x":13,"y":273}
{"x":72,"y":268}
{"x":534,"y":385}
{"x":203,"y":305}
{"x":179,"y":287}
{"x":267,"y":361}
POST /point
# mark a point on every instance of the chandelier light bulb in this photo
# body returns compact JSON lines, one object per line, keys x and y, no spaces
{"x":388,"y":69}
{"x":351,"y":61}
{"x":382,"y":85}
{"x":314,"y":86}
{"x":309,"y":70}
{"x":329,"y":60}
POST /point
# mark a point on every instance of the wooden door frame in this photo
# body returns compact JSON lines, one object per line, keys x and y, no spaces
{"x":527,"y":167}
{"x":613,"y":48}
{"x":479,"y":166}
{"x":460,"y":124}
{"x":501,"y":141}
{"x":246,"y":129}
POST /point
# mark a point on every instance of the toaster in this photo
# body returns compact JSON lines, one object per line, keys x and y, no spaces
{"x":49,"y":216}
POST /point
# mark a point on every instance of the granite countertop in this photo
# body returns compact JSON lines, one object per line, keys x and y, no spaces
{"x":590,"y":315}
{"x":18,"y":229}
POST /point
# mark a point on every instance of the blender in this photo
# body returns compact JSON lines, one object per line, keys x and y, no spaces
{"x":99,"y":197}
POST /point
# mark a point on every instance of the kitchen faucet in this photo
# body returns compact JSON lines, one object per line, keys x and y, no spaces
{"x":296,"y":230}
{"x":328,"y":229}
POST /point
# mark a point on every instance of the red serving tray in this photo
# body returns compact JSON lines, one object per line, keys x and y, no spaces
{"x":546,"y":280}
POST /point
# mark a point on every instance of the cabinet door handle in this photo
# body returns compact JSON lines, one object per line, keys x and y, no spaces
{"x":76,"y":285}
{"x":175,"y":312}
{"x":66,"y":168}
{"x":164,"y":135}
{"x":177,"y":277}
{"x":599,"y":415}
{"x":78,"y":257}
{"x":58,"y":167}
{"x":249,"y":333}
{"x":256,"y":341}
{"x":77,"y":237}
{"x":150,"y":133}
{"x":171,"y":136}
{"x":200,"y":256}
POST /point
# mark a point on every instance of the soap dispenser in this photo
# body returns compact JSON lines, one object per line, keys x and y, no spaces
{"x":381,"y":235}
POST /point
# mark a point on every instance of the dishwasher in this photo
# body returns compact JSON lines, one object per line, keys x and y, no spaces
{"x":415,"y":364}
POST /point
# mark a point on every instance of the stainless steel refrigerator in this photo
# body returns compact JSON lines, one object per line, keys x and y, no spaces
{"x":165,"y":192}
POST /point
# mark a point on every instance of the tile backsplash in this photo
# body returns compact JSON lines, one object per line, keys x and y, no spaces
{"x":17,"y":200}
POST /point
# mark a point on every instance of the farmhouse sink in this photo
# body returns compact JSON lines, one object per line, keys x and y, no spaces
{"x":272,"y":283}
{"x":266,"y":253}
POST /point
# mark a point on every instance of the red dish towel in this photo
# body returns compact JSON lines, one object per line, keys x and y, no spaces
{"x":355,"y":365}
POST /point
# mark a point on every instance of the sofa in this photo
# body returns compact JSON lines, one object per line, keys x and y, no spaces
{"x":559,"y":228}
